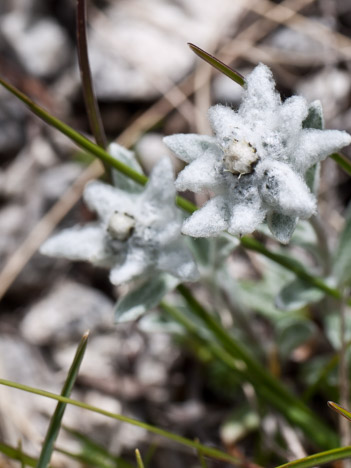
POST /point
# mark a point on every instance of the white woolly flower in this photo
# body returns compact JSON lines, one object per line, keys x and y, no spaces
{"x":256,"y":163}
{"x":137,"y":233}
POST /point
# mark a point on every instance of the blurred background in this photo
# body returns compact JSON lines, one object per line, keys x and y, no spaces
{"x":149,"y":84}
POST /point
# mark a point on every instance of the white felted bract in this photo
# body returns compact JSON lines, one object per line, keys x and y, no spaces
{"x":137,"y":234}
{"x":257,"y":168}
{"x":78,"y":243}
{"x":189,"y":145}
{"x":209,"y":221}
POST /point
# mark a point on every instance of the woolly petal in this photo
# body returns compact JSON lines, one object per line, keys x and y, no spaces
{"x":245,"y":218}
{"x":282,"y":227}
{"x":78,"y":243}
{"x":105,"y":200}
{"x":203,"y":173}
{"x":209,"y":220}
{"x":284,"y":191}
{"x":137,"y":263}
{"x":225,"y":122}
{"x":160,"y":192}
{"x":316,"y":145}
{"x":260,"y":99}
{"x":177,"y":260}
{"x":189,"y":147}
{"x":292,"y":113}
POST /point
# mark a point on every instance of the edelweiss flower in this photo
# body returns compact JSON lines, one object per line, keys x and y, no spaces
{"x":136,"y":233}
{"x":257,"y":162}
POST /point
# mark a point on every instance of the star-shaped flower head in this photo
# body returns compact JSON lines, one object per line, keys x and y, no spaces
{"x":137,"y":233}
{"x":256,"y":163}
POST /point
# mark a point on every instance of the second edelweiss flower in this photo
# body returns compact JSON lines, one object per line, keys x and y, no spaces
{"x":257,"y":162}
{"x":137,"y":233}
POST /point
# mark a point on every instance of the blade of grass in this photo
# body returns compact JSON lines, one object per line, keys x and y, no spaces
{"x":201,"y":458}
{"x":55,"y":423}
{"x":218,"y":64}
{"x":17,"y":454}
{"x":209,"y":451}
{"x":91,"y":104}
{"x":21,"y":452}
{"x":343,"y":162}
{"x":95,"y":449}
{"x":293,"y":408}
{"x":86,"y":460}
{"x":322,"y":375}
{"x":339,"y":409}
{"x":319,"y":458}
{"x":75,"y":136}
{"x":139,"y":459}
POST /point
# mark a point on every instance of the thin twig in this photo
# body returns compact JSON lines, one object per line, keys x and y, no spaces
{"x":91,"y":104}
{"x":344,"y":384}
{"x":323,"y":243}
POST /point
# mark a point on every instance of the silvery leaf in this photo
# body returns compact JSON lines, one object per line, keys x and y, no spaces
{"x":144,"y":297}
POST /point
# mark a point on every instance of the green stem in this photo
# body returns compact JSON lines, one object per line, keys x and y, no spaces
{"x":209,"y":451}
{"x":75,"y":136}
{"x":319,"y":458}
{"x":290,"y":264}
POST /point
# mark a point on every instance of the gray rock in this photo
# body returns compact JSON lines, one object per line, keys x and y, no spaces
{"x":330,"y":86}
{"x":138,"y":49}
{"x":66,"y":313}
{"x":40,"y":43}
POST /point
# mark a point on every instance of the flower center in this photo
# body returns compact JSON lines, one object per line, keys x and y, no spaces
{"x":239,"y":157}
{"x":121,"y":226}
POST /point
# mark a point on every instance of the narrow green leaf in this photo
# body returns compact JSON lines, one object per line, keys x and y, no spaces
{"x":75,"y":136}
{"x":218,"y":64}
{"x":201,"y":457}
{"x":319,"y":458}
{"x":91,"y":104}
{"x":17,"y":454}
{"x":339,"y":409}
{"x":209,"y":451}
{"x":94,"y":452}
{"x":343,"y":162}
{"x":20,"y":450}
{"x":342,"y":260}
{"x":55,"y":423}
{"x":139,"y":459}
{"x":323,"y":374}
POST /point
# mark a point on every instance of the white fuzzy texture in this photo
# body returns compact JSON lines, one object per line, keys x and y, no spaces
{"x":137,"y":234}
{"x":257,"y":165}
